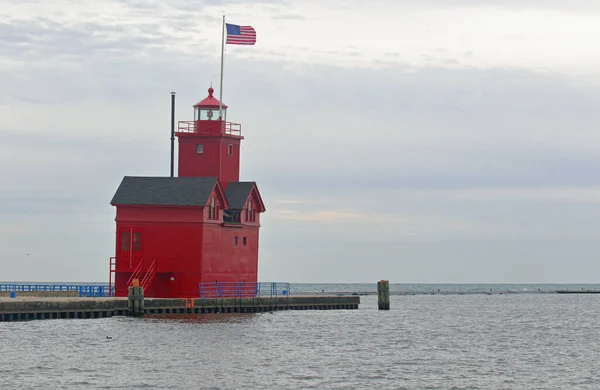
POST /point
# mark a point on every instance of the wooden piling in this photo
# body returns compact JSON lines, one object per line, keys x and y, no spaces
{"x":135,"y":302}
{"x":383,"y":294}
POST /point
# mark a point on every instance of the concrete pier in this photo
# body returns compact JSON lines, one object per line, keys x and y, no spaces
{"x":33,"y":308}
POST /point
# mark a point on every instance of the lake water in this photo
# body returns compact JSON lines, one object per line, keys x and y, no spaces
{"x":420,"y":289}
{"x":500,"y":341}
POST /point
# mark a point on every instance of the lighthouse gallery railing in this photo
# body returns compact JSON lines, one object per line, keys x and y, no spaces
{"x":228,"y":128}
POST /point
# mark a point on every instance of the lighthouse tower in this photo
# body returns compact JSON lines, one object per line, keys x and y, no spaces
{"x":209,"y":145}
{"x":175,"y":233}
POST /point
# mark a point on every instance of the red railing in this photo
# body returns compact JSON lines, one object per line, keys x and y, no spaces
{"x":227,"y":128}
{"x":144,"y":276}
{"x":149,"y":276}
{"x":137,"y":273}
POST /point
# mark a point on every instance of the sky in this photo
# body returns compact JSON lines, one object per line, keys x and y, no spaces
{"x":438,"y":141}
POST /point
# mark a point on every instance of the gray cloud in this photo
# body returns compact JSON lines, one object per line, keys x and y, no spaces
{"x":40,"y":38}
{"x":405,"y":147}
{"x":289,"y":17}
{"x":579,"y":6}
{"x":489,"y":116}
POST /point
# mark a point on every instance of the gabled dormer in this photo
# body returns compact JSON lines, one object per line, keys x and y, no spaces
{"x":253,"y":208}
{"x":215,"y":204}
{"x":245,"y":203}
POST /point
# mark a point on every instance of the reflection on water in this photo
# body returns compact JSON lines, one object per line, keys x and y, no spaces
{"x":225,"y":318}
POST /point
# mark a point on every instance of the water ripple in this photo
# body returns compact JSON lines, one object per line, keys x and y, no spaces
{"x":542,"y":341}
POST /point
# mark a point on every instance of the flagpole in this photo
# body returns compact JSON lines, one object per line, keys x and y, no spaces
{"x":222,"y":55}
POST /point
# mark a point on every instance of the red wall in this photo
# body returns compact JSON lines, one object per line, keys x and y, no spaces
{"x":189,"y":248}
{"x":224,"y":261}
{"x":170,"y":234}
{"x":215,"y":161}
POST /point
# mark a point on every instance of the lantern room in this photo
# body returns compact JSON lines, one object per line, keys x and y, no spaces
{"x":208,"y":108}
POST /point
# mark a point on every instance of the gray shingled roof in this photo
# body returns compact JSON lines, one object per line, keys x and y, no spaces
{"x":237,"y":193}
{"x":167,"y":191}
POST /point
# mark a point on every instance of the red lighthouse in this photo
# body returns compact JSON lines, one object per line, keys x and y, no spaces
{"x":202,"y":226}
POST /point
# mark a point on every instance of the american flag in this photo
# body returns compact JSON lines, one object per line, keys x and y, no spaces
{"x":240,"y":35}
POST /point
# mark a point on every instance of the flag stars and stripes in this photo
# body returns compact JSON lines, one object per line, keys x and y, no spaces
{"x":240,"y":35}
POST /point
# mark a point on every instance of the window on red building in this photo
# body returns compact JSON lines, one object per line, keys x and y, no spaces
{"x":230,"y":149}
{"x":137,"y":241}
{"x":125,"y":241}
{"x":235,"y":241}
{"x":213,"y":209}
{"x":244,"y":241}
{"x":250,"y":213}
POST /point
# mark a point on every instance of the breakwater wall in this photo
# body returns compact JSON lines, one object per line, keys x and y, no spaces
{"x":25,"y":308}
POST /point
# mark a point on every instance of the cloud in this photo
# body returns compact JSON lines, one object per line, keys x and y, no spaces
{"x":448,"y":144}
{"x":441,"y":128}
{"x":289,"y":17}
{"x":9,"y":229}
{"x":335,"y":216}
{"x":295,"y":201}
{"x":544,"y":37}
{"x":568,"y":194}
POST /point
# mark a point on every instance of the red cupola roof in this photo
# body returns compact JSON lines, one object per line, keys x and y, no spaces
{"x":210,"y":101}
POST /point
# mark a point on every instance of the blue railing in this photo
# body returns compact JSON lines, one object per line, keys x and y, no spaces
{"x":83,"y":290}
{"x":243,"y":289}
